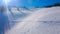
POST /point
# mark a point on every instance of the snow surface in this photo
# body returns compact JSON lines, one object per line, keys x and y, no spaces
{"x":42,"y":21}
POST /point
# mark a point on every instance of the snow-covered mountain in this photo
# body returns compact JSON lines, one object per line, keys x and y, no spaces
{"x":42,"y":21}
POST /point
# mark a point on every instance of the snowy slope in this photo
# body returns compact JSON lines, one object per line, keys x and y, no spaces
{"x":34,"y":24}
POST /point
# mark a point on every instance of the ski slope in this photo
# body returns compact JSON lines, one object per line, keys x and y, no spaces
{"x":34,"y":23}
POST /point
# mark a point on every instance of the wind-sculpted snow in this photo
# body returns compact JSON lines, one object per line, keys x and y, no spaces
{"x":42,"y":21}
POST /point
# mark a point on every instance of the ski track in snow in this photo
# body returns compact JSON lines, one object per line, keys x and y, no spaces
{"x":30,"y":25}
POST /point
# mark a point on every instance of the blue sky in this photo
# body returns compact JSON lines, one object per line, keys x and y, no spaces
{"x":32,"y":3}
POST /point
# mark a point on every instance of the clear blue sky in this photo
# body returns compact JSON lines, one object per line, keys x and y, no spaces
{"x":32,"y":3}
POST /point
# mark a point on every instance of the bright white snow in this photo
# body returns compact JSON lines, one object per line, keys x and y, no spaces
{"x":31,"y":24}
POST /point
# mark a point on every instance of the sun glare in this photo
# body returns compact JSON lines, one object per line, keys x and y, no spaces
{"x":6,"y":1}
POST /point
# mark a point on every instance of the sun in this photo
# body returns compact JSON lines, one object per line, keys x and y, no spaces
{"x":6,"y":1}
